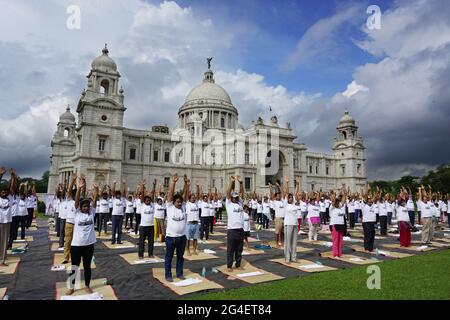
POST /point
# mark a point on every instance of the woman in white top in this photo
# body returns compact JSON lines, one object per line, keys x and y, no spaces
{"x":266,"y":212}
{"x":404,"y":223}
{"x":369,"y":219}
{"x":291,"y":214}
{"x":337,"y":222}
{"x":129,"y":212}
{"x":82,"y":246}
{"x":147,"y":223}
{"x":193,"y":219}
{"x":313,"y":216}
{"x":176,"y":231}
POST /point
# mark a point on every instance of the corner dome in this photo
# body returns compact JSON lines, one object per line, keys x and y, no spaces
{"x":346,"y":120}
{"x":104,"y":62}
{"x":67,"y":116}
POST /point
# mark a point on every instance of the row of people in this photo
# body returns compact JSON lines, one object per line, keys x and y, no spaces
{"x":18,"y":207}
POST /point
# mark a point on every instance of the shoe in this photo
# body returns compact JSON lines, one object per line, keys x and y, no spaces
{"x":169,"y":279}
{"x":113,"y":242}
{"x":65,"y":262}
{"x":119,"y":242}
{"x":181,"y":277}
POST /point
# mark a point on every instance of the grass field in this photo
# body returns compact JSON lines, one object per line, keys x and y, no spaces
{"x":425,"y":276}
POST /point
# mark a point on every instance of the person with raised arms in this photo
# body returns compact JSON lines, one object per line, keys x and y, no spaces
{"x":31,"y":204}
{"x":383,"y":215}
{"x":425,"y":206}
{"x":16,"y":211}
{"x":337,"y":222}
{"x":403,"y":221}
{"x":82,"y":243}
{"x":212,"y":209}
{"x":130,"y":205}
{"x":369,"y":219}
{"x":147,"y":223}
{"x":103,"y":211}
{"x":117,"y":212}
{"x":235,"y":226}
{"x":176,"y":231}
{"x":5,"y":220}
{"x":204,"y":207}
{"x":278,"y":206}
{"x":266,"y":212}
{"x":19,"y":213}
{"x":69,"y":209}
{"x":160,"y":215}
{"x":193,"y":218}
{"x":291,"y":214}
{"x":313,"y":216}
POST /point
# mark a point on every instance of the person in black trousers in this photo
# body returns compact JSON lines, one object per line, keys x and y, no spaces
{"x":235,"y":231}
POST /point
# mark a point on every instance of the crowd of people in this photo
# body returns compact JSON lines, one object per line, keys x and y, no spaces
{"x":182,"y":219}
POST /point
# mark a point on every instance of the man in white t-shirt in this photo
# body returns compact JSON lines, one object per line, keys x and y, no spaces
{"x":235,"y":226}
{"x":117,"y":213}
{"x":204,"y":206}
{"x":425,"y":206}
{"x":176,"y":231}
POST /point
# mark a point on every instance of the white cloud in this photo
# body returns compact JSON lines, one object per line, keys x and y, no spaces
{"x":353,"y":88}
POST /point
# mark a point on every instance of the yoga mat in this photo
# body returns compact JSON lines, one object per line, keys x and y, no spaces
{"x":266,"y":276}
{"x":211,"y":241}
{"x":411,"y":248}
{"x":304,"y":265}
{"x":390,"y":254}
{"x":350,"y":258}
{"x":200,"y":256}
{"x":133,"y":235}
{"x":27,"y":239}
{"x":123,"y":245}
{"x":53,"y":238}
{"x":158,"y":273}
{"x":13,"y":263}
{"x":318,"y":242}
{"x":2,"y":293}
{"x":304,"y":250}
{"x":133,"y":259}
{"x":443,"y":239}
{"x":55,"y":247}
{"x":103,"y":236}
{"x":247,"y":252}
{"x":217,"y":233}
{"x":433,"y":244}
{"x":58,"y":258}
{"x":96,"y":286}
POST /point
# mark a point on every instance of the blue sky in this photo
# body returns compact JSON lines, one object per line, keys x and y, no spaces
{"x":280,"y":25}
{"x":309,"y":60}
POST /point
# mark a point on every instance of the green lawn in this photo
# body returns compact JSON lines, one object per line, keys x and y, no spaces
{"x":425,"y":276}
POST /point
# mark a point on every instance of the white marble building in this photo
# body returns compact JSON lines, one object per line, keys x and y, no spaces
{"x":214,"y":144}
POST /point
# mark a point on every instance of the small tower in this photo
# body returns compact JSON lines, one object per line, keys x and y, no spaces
{"x":348,"y":150}
{"x":100,"y":122}
{"x":63,"y":148}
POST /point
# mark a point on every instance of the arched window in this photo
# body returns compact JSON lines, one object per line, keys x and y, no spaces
{"x":104,"y":87}
{"x":344,"y":133}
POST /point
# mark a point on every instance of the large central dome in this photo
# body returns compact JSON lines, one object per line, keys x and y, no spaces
{"x":208,"y":91}
{"x":210,"y":103}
